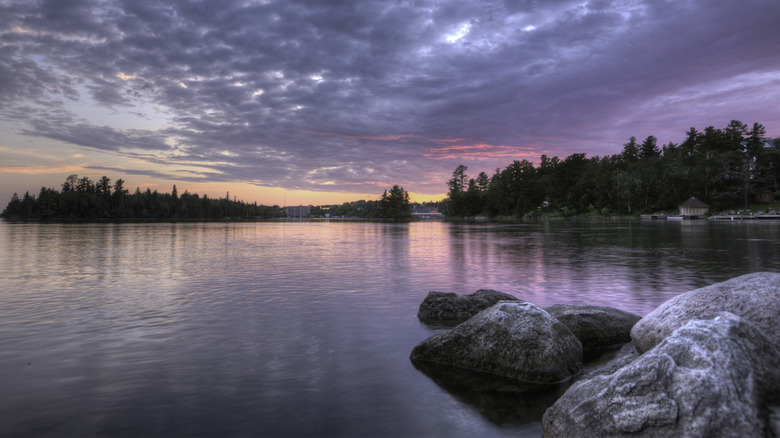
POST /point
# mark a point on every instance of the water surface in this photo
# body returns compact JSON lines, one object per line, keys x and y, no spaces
{"x":304,"y":328}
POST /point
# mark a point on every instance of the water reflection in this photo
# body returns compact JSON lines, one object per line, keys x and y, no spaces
{"x":630,"y":265}
{"x":501,"y":401}
{"x":304,"y":328}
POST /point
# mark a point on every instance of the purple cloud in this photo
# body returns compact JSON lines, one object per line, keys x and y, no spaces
{"x":351,"y":95}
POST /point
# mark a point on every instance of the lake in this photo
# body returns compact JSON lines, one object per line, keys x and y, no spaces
{"x":304,"y":328}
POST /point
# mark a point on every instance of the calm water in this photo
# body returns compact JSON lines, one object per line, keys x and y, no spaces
{"x":303,"y":329}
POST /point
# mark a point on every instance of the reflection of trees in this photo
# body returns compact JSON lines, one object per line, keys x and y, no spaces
{"x":395,"y":250}
{"x":632,"y":265}
{"x":507,"y":258}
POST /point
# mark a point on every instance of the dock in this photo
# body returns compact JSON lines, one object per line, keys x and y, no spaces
{"x":720,"y":217}
{"x":664,"y":217}
{"x":745,"y":217}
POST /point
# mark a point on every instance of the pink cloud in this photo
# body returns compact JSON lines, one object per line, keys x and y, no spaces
{"x":391,"y":137}
{"x":447,"y":140}
{"x":479,"y":152}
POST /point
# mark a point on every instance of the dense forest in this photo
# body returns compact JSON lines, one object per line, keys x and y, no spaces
{"x":84,"y":199}
{"x":81,"y":199}
{"x":722,"y":167}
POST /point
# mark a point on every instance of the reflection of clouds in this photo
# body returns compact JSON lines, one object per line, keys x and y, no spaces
{"x":507,"y":258}
{"x":279,"y":326}
{"x":82,"y":256}
{"x":307,"y":276}
{"x":631,"y":266}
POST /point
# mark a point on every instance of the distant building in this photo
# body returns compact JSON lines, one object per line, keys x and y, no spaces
{"x":298,"y":211}
{"x":765,"y":197}
{"x":694,"y":208}
{"x":426,"y":214}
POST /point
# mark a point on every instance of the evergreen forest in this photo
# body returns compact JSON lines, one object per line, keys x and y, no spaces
{"x":724,"y":168}
{"x":83,"y":199}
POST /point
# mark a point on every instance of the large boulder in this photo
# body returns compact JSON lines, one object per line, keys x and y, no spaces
{"x":596,"y":327}
{"x":710,"y":378}
{"x":755,"y":297}
{"x":450,"y":308}
{"x":514,"y":339}
{"x":615,"y":360}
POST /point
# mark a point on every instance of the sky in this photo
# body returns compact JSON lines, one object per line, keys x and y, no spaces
{"x":292,"y":102}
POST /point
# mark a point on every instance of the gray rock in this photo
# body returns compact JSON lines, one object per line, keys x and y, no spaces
{"x":514,"y":339}
{"x":774,"y":420}
{"x":617,"y":359}
{"x":450,"y":308}
{"x":755,"y":297}
{"x":608,"y":362}
{"x":710,"y":378}
{"x":595,"y":326}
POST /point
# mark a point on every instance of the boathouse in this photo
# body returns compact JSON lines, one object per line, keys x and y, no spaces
{"x":693,"y":208}
{"x":764,"y":197}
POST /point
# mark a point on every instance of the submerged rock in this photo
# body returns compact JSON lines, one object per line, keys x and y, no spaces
{"x":709,"y":378}
{"x":515,"y":339}
{"x":755,"y":297}
{"x":596,"y":327}
{"x":450,"y":308}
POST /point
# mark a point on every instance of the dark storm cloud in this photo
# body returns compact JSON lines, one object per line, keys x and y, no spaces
{"x":351,"y":95}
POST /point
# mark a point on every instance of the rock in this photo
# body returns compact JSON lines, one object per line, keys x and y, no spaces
{"x":596,"y":327}
{"x":755,"y":297}
{"x":514,"y":339}
{"x":617,"y":360}
{"x":774,"y":420}
{"x":608,"y":362}
{"x":450,"y":308}
{"x":709,"y":378}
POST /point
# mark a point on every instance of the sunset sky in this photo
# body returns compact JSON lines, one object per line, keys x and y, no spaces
{"x":318,"y":102}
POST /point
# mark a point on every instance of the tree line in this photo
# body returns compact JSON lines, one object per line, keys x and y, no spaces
{"x":80,"y":198}
{"x":722,"y":167}
{"x":392,"y":205}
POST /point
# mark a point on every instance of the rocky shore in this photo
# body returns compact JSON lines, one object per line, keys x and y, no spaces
{"x":704,"y":364}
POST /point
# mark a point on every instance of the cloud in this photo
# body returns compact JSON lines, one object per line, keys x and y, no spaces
{"x":480,"y":152}
{"x":38,"y":169}
{"x":351,"y":95}
{"x":96,"y":137}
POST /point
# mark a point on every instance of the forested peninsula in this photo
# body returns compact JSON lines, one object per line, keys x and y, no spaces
{"x":82,"y":199}
{"x":725,"y":168}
